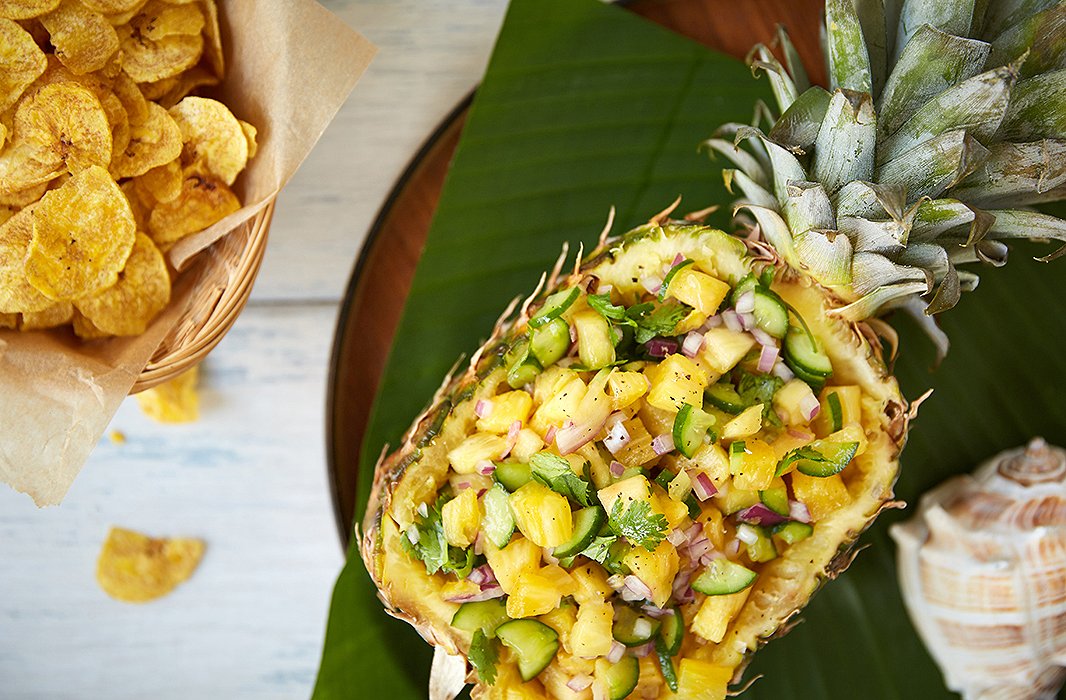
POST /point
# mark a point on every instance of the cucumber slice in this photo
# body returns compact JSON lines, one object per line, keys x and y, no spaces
{"x":522,"y":368}
{"x":633,"y":629}
{"x":549,"y":343}
{"x":723,"y":577}
{"x":533,"y":642}
{"x":513,"y":475}
{"x":805,"y":357}
{"x":498,"y":522}
{"x":554,"y":306}
{"x":775,"y":499}
{"x":587,"y":524}
{"x":690,"y":428}
{"x":664,"y":288}
{"x":824,"y":458}
{"x":793,"y":532}
{"x":671,"y":633}
{"x":664,"y":478}
{"x":666,"y":664}
{"x":724,"y":397}
{"x":762,"y":549}
{"x":836,"y":411}
{"x":485,"y":615}
{"x":621,"y":678}
{"x":771,"y":314}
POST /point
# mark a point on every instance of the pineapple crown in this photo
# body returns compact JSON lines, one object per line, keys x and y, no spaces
{"x":945,"y":120}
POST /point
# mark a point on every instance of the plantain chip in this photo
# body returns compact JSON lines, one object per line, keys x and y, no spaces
{"x":141,"y":203}
{"x":213,"y":40}
{"x":65,"y":124}
{"x":58,"y":314}
{"x":9,"y":321}
{"x":175,"y":401}
{"x":131,"y":98}
{"x":26,"y":9}
{"x":148,"y":60}
{"x":112,"y":7}
{"x":204,"y":200}
{"x":84,"y":328}
{"x":17,"y":295}
{"x":6,"y":212}
{"x":215,"y":142}
{"x":83,"y":233}
{"x":135,"y":568}
{"x":24,"y":198}
{"x":251,"y":134}
{"x":163,"y":182}
{"x":170,"y":91}
{"x":84,"y":40}
{"x":21,"y":63}
{"x":22,"y":169}
{"x":155,"y":142}
{"x":158,"y":20}
{"x":141,"y":292}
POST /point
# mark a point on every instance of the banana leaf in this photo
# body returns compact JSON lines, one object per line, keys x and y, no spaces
{"x":585,"y":106}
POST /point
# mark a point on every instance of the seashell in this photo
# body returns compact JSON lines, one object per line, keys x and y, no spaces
{"x":982,"y":566}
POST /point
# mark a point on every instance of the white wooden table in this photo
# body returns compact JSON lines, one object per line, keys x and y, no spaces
{"x":250,"y":476}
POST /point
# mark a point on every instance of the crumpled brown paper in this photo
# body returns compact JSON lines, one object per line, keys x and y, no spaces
{"x":290,"y":67}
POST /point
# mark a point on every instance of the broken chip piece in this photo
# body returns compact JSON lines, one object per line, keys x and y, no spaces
{"x":135,"y":568}
{"x":175,"y":401}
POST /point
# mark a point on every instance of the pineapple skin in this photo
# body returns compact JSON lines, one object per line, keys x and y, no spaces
{"x":413,"y":473}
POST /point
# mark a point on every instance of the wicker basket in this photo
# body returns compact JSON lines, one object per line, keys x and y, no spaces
{"x":222,"y":277}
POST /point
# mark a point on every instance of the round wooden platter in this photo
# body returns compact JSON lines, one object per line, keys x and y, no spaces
{"x":382,"y":275}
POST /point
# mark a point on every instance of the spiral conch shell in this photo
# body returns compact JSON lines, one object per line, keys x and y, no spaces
{"x":982,"y":566}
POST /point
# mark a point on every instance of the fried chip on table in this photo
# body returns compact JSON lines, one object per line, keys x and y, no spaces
{"x":83,"y":233}
{"x":204,"y":200}
{"x":84,"y":40}
{"x":135,"y":568}
{"x":163,"y":182}
{"x":17,"y":295}
{"x":155,"y":142}
{"x":21,"y":63}
{"x":141,"y":292}
{"x":176,"y":401}
{"x":58,"y":314}
{"x":67,"y":124}
{"x":148,"y":60}
{"x":26,"y":9}
{"x":215,"y":142}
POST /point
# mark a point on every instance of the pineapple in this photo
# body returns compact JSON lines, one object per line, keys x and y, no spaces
{"x":941,"y":125}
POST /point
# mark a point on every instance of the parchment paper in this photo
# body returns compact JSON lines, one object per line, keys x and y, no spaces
{"x":290,"y":67}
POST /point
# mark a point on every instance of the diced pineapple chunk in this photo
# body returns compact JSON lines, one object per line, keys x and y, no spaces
{"x":689,"y":323}
{"x":527,"y":445}
{"x":657,"y":420}
{"x":715,"y":614}
{"x":698,"y":289}
{"x":635,"y":488}
{"x":561,"y":405}
{"x":590,"y":584}
{"x":676,"y":381}
{"x":600,"y":469}
{"x":625,"y":387}
{"x":542,"y":515}
{"x":714,"y":460}
{"x":656,"y":569}
{"x":732,"y":499}
{"x":461,"y":518}
{"x":713,"y":525}
{"x":465,"y":456}
{"x":534,"y":594}
{"x":700,"y":680}
{"x":822,"y":495}
{"x":723,"y":349}
{"x":786,"y":442}
{"x":638,"y":450}
{"x":594,"y":346}
{"x":509,"y":684}
{"x":676,"y":512}
{"x":506,"y":409}
{"x":560,"y":578}
{"x":562,"y":619}
{"x":680,"y":486}
{"x":591,"y":634}
{"x":456,"y":589}
{"x":747,"y":423}
{"x":514,"y":561}
{"x":650,"y":683}
{"x":753,"y":468}
{"x":851,"y":433}
{"x":790,"y":398}
{"x":849,"y":399}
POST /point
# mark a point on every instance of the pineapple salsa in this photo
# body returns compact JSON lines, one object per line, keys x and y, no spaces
{"x":637,"y":458}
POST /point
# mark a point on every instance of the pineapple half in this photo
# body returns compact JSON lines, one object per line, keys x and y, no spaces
{"x":652,"y":466}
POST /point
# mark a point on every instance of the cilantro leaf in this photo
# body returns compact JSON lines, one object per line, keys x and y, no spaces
{"x":483,"y":657}
{"x":601,"y":303}
{"x":760,"y":388}
{"x":638,"y":524}
{"x":796,"y":455}
{"x":600,"y":548}
{"x":653,"y":321}
{"x":554,"y":472}
{"x":432,"y":547}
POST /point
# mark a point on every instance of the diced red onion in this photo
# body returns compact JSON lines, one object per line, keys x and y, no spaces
{"x":482,"y":574}
{"x":694,"y":532}
{"x":617,"y":468}
{"x":614,"y":419}
{"x":485,"y":467}
{"x":663,"y":444}
{"x":549,"y":557}
{"x":489,"y":593}
{"x":652,"y":284}
{"x":573,"y":336}
{"x":572,"y":438}
{"x":479,"y":544}
{"x":732,"y":547}
{"x":643,"y":650}
{"x":710,"y":556}
{"x":676,"y":537}
{"x":747,"y":534}
{"x":654,"y":612}
{"x":661,"y":347}
{"x":616,"y":652}
{"x":642,"y":628}
{"x":617,"y":438}
{"x":699,"y":548}
{"x":746,"y":302}
{"x":759,"y":514}
{"x":800,"y":434}
{"x":713,"y":322}
{"x":423,"y":510}
{"x":692,"y":344}
{"x":463,"y":484}
{"x":550,"y":435}
{"x":747,"y":321}
{"x":767,"y":358}
{"x":637,"y":587}
{"x":514,"y":430}
{"x":679,"y":258}
{"x":763,"y":338}
{"x":483,"y":408}
{"x":703,"y":487}
{"x":782,"y":372}
{"x":809,"y":407}
{"x":579,"y":683}
{"x":731,"y":320}
{"x":412,"y":534}
{"x":599,"y":688}
{"x":799,"y":511}
{"x":602,"y":288}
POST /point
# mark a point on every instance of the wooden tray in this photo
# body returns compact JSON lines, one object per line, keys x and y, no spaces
{"x":382,"y":275}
